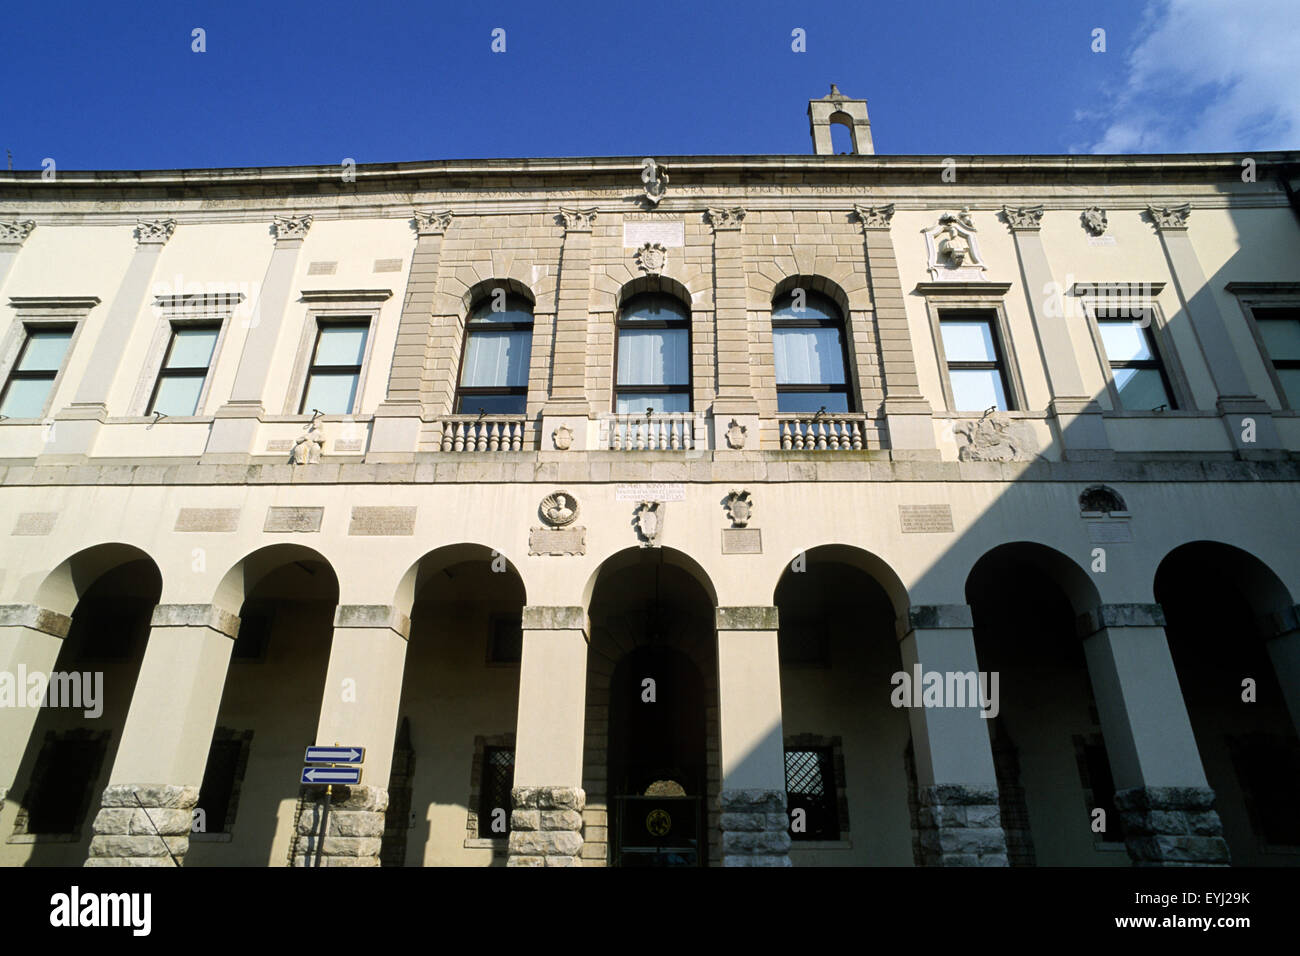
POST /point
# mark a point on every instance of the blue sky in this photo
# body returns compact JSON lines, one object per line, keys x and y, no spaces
{"x":110,"y":86}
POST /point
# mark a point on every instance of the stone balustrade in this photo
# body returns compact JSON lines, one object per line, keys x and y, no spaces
{"x":668,"y":431}
{"x":486,"y":433}
{"x":816,"y":432}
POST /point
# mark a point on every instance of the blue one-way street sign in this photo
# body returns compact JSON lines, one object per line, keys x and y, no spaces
{"x":348,"y":775}
{"x":335,"y":755}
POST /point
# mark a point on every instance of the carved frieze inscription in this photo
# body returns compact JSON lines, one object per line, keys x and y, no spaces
{"x":925,"y":519}
{"x":654,"y":491}
{"x":207,"y":519}
{"x":742,"y":541}
{"x":671,"y":235}
{"x":382,"y":520}
{"x":293,"y":519}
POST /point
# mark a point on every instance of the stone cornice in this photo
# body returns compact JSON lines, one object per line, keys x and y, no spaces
{"x":27,"y":304}
{"x":1135,"y":290}
{"x":542,"y":468}
{"x":990,"y":289}
{"x":346,"y":295}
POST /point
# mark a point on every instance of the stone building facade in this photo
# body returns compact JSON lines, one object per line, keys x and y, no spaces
{"x":612,"y":506}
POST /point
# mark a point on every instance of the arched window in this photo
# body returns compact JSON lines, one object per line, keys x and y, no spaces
{"x":653,"y":355}
{"x":494,"y":366}
{"x":811,"y":360}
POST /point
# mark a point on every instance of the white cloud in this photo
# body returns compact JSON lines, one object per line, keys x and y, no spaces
{"x":1207,"y":76}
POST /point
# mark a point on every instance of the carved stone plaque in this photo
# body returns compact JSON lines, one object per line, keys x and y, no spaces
{"x":742,"y":541}
{"x":322,"y":268}
{"x":925,"y":519}
{"x":557,"y":541}
{"x":35,"y":522}
{"x":668,"y":234}
{"x":280,"y":444}
{"x":388,"y":265}
{"x":293,"y":519}
{"x":207,"y":519}
{"x":657,"y":491}
{"x":1110,"y":532}
{"x":347,"y":444}
{"x":382,"y":520}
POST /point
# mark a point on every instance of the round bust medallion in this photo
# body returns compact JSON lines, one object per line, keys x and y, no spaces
{"x":558,"y":509}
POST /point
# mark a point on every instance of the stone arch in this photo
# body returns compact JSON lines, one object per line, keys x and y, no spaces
{"x":1078,"y":587}
{"x":690,"y":284}
{"x":861,"y":559}
{"x":485,"y":287}
{"x":847,"y":288}
{"x":841,"y":118}
{"x":630,"y":556}
{"x":63,"y":587}
{"x":432,"y":562}
{"x":1260,"y":585}
{"x":251,"y":569}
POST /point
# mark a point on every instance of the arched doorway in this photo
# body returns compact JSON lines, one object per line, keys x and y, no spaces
{"x":651,"y":768}
{"x":1219,"y":602}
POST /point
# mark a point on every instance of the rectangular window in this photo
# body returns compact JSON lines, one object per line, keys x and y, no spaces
{"x":67,"y":767}
{"x":1135,"y":364}
{"x":653,"y":368}
{"x":495,"y":802}
{"x":220,"y":777}
{"x":810,"y":787}
{"x":184,"y":370}
{"x":335,"y":369}
{"x":1279,"y":328}
{"x":28,"y":389}
{"x":974,"y":357}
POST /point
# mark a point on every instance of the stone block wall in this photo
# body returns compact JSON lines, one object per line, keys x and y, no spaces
{"x":353,"y":830}
{"x":546,"y":826}
{"x":1172,"y":826}
{"x":143,"y":825}
{"x":960,"y":826}
{"x":755,"y":828}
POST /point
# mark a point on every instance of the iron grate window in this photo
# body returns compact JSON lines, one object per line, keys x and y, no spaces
{"x":810,"y":786}
{"x":494,"y":794}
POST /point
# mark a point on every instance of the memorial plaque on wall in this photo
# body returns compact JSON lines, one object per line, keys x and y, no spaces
{"x":35,"y":522}
{"x":925,"y":519}
{"x":207,"y":519}
{"x":382,"y":520}
{"x":293,"y":519}
{"x":557,"y":541}
{"x":1110,"y":532}
{"x":669,"y":234}
{"x":650,"y":491}
{"x":742,"y":541}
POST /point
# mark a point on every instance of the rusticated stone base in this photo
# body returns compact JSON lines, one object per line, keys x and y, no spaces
{"x":143,"y":825}
{"x":960,"y":826}
{"x":755,"y":828}
{"x":546,"y":826}
{"x":354,"y":829}
{"x":1172,"y":826}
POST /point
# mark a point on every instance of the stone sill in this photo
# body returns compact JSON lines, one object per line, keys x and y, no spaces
{"x":45,"y":838}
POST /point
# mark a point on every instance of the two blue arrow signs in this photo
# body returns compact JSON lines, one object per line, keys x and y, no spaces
{"x":333,"y":755}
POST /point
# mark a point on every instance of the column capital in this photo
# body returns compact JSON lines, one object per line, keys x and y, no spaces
{"x":196,"y":615}
{"x":292,"y":227}
{"x":726,"y":218}
{"x":430,"y":222}
{"x":1120,"y":615}
{"x":1281,"y":622}
{"x":153,"y":232}
{"x":1170,"y":218}
{"x":578,"y":220}
{"x":540,"y":617}
{"x":930,"y":617}
{"x":758,"y":618}
{"x":373,"y":615}
{"x":1023,"y":218}
{"x":874,"y":217}
{"x":14,"y":232}
{"x":35,"y":617}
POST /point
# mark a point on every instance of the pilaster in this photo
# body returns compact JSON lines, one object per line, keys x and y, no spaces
{"x":568,"y":403}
